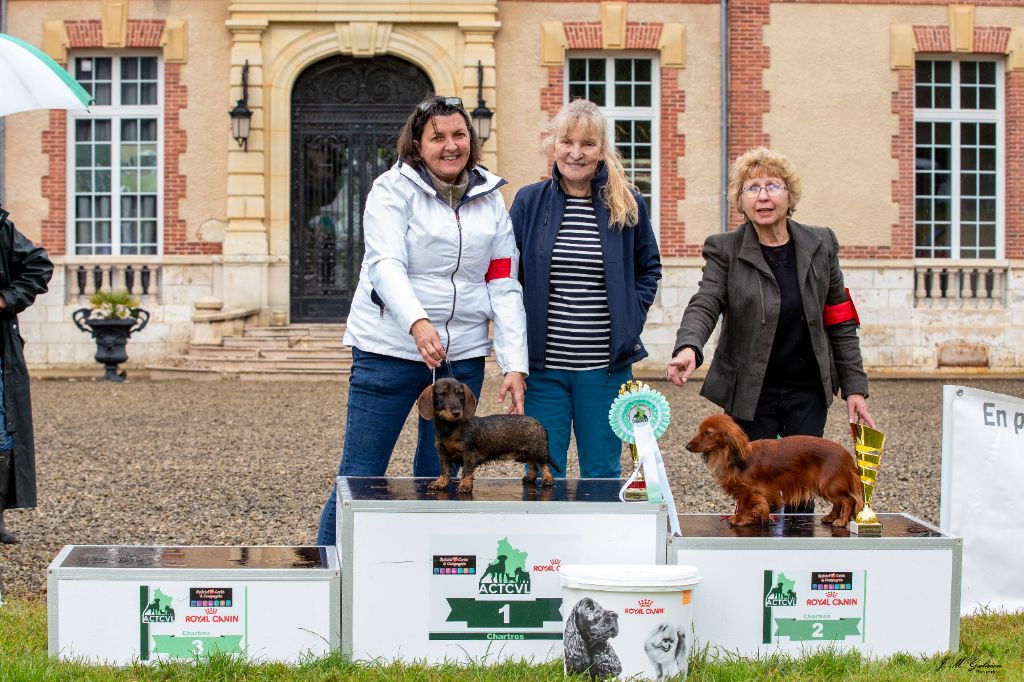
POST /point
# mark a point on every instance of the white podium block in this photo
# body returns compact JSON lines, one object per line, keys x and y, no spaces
{"x":117,"y":604}
{"x":798,"y":584}
{"x":446,"y":576}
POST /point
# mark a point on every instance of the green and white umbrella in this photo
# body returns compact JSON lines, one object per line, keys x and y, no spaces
{"x":29,"y":80}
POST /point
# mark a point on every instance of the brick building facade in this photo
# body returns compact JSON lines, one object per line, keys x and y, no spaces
{"x":903,"y":119}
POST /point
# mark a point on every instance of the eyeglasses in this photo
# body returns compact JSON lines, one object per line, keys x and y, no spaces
{"x":773,"y":190}
{"x":447,"y":101}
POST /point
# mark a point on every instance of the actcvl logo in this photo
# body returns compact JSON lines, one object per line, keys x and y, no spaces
{"x":159,"y":610}
{"x":508,"y":573}
{"x":782,"y":593}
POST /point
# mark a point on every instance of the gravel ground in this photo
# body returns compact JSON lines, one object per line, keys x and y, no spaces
{"x":230,"y":463}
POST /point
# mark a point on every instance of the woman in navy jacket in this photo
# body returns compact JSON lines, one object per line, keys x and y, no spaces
{"x":589,"y":266}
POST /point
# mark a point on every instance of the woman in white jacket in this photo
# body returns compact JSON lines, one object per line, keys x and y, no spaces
{"x":440,"y":263}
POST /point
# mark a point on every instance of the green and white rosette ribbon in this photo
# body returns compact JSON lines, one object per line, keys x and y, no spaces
{"x":642,"y":404}
{"x":640,"y":416}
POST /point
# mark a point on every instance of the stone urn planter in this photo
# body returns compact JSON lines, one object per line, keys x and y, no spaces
{"x":111,"y":321}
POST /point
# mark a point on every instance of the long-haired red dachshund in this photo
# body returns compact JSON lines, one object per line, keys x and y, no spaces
{"x":762,"y":475}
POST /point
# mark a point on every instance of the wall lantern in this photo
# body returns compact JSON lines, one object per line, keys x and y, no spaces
{"x":241,"y":116}
{"x":481,"y":115}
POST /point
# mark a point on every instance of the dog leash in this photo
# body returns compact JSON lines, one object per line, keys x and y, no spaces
{"x":433,"y":370}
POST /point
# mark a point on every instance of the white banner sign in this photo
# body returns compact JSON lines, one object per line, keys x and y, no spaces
{"x":982,"y":477}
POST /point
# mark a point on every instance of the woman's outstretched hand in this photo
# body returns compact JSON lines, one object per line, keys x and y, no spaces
{"x":513,"y":384}
{"x":857,"y":408}
{"x":681,"y":366}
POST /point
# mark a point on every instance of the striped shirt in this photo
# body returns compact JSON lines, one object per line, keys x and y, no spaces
{"x":579,"y":324}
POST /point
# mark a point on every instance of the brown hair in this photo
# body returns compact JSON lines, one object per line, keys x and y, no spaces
{"x":763,"y":161}
{"x":581,"y":114}
{"x":412,"y":131}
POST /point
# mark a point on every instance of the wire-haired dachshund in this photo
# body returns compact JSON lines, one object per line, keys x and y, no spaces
{"x":762,"y":475}
{"x":470,"y":441}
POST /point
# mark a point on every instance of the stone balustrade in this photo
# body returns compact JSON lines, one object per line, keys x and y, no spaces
{"x":976,"y":284}
{"x":141,"y":277}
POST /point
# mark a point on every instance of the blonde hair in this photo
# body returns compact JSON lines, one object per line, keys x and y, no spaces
{"x":763,"y":161}
{"x":617,"y":194}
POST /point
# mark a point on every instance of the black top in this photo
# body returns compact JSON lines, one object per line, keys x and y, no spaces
{"x":792,"y":361}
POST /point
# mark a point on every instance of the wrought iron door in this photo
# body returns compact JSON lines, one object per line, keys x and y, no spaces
{"x":346,"y":116}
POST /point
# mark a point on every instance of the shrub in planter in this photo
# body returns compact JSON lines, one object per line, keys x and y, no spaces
{"x":112,"y":317}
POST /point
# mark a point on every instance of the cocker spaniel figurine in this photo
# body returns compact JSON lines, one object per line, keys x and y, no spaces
{"x":587,"y":649}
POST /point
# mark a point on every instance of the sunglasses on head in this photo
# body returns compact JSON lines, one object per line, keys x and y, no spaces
{"x":447,"y":101}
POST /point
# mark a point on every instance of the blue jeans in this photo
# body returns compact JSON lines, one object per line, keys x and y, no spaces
{"x":565,"y":401}
{"x":382,"y":390}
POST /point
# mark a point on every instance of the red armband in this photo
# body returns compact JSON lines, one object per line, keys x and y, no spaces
{"x":840,"y":312}
{"x":499,"y":268}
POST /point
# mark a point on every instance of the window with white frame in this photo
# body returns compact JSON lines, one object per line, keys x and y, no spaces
{"x":626,"y":89}
{"x":115,"y":164}
{"x":958,"y":158}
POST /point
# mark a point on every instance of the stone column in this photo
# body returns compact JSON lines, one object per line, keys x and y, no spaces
{"x":479,"y":42}
{"x":246,"y":248}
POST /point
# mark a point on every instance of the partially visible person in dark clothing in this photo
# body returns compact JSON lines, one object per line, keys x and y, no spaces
{"x":789,"y":329}
{"x":25,"y":270}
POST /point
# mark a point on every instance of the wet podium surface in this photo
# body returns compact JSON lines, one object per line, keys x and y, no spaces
{"x":484,"y":490}
{"x":130,"y":556}
{"x":799,"y":526}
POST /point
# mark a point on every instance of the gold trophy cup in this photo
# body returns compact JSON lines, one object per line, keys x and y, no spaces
{"x":637,"y":490}
{"x":869,"y":443}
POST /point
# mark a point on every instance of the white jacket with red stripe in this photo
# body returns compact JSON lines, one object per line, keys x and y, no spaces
{"x":456,"y":267}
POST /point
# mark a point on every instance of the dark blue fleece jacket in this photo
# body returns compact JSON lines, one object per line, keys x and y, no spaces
{"x":632,"y":266}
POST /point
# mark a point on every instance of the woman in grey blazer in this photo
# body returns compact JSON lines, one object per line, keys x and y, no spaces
{"x":789,"y":329}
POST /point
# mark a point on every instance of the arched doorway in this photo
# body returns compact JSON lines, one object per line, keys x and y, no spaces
{"x":346,"y":116}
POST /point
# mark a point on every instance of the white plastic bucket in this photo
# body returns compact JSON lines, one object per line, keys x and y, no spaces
{"x":627,"y":621}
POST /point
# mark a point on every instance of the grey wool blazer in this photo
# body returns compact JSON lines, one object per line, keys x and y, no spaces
{"x":738,"y":284}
